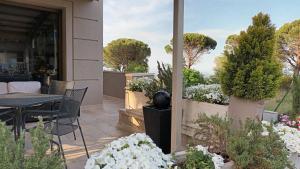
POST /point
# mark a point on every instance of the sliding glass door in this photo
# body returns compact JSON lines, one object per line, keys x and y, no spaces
{"x":29,"y":43}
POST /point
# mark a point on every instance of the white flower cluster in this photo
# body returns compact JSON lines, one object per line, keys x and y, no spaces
{"x":217,"y":159}
{"x":290,"y":136}
{"x":139,"y":84}
{"x":206,"y":93}
{"x":136,"y":151}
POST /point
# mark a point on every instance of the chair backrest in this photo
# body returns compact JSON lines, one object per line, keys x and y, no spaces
{"x":60,"y":87}
{"x":70,"y":105}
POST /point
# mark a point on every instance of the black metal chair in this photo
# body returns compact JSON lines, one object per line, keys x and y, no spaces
{"x":65,"y":120}
{"x":60,"y":87}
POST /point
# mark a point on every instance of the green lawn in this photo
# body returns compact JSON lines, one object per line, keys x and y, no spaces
{"x":286,"y":105}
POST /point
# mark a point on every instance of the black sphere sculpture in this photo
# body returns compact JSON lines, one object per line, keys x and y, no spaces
{"x":161,"y":100}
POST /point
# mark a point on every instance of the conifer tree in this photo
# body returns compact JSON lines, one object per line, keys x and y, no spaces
{"x":251,"y":71}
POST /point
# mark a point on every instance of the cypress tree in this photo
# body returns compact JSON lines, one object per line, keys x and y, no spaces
{"x":251,"y":70}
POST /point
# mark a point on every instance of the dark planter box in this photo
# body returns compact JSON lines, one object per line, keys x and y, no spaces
{"x":158,"y":126}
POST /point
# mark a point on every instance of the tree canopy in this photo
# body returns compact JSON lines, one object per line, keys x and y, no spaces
{"x":123,"y":54}
{"x":251,"y":71}
{"x":288,"y":45}
{"x":231,"y":42}
{"x":195,"y":45}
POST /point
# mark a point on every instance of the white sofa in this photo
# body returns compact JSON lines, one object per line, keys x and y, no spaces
{"x":20,"y":87}
{"x":3,"y":88}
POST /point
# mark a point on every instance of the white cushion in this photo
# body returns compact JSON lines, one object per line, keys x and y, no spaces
{"x":24,"y":87}
{"x":3,"y":88}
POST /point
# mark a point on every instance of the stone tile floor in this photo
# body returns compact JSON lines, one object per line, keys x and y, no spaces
{"x":100,"y":126}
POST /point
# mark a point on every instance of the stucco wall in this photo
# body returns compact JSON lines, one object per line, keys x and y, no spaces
{"x":114,"y":84}
{"x":87,"y":37}
{"x":82,"y":42}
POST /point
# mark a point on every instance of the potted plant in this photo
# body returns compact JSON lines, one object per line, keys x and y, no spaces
{"x":251,"y":73}
{"x":157,"y":115}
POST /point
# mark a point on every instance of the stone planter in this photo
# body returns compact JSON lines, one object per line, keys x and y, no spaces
{"x":181,"y":156}
{"x":135,"y":100}
{"x":270,"y":116}
{"x":191,"y":110}
{"x":295,"y":158}
{"x":240,"y":109}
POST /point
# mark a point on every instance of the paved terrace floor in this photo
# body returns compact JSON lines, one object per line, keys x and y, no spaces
{"x":99,"y":125}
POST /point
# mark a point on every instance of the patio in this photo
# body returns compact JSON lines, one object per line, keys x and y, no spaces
{"x":99,"y":124}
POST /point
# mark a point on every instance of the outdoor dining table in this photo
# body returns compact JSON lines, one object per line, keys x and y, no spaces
{"x":20,"y":101}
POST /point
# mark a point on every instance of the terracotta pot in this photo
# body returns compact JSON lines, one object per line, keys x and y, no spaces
{"x":240,"y":110}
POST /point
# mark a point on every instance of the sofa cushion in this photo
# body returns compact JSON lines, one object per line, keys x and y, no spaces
{"x":24,"y":87}
{"x":3,"y":88}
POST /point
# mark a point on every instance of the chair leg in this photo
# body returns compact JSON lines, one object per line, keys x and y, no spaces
{"x":87,"y":153}
{"x":74,"y":134}
{"x":62,"y":151}
{"x":51,"y":146}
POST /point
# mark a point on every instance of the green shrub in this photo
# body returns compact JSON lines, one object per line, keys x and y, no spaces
{"x":286,"y":82}
{"x":192,"y":77}
{"x":164,"y":77}
{"x":212,"y":79}
{"x":197,"y":159}
{"x":150,"y":89}
{"x":163,"y":82}
{"x":251,"y":71}
{"x":212,"y":132}
{"x":12,"y":153}
{"x":249,"y":148}
{"x":296,"y":97}
{"x":137,"y":68}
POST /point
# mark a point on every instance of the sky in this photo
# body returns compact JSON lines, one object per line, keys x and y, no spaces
{"x":151,"y":21}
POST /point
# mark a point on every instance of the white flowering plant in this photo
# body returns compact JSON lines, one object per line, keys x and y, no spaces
{"x":200,"y":157}
{"x":289,"y":135}
{"x":136,"y":151}
{"x":216,"y":159}
{"x":138,"y":85}
{"x":211,"y":93}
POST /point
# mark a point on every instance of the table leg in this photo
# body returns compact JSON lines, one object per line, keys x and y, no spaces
{"x":18,"y":121}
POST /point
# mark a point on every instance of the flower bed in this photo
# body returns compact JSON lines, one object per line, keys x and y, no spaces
{"x":138,"y":151}
{"x":192,"y":158}
{"x":217,"y":159}
{"x":135,"y":151}
{"x":291,"y":138}
{"x":285,"y":119}
{"x":206,"y":93}
{"x":202,"y":93}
